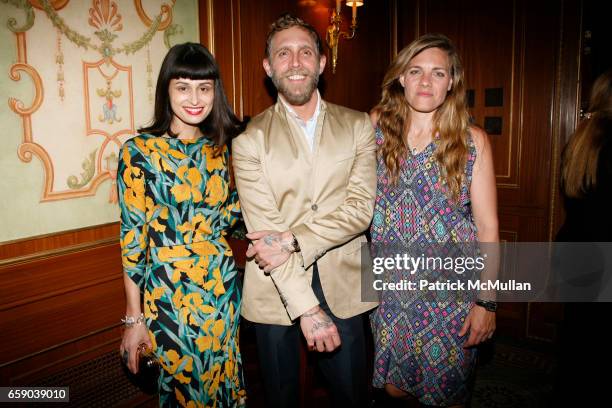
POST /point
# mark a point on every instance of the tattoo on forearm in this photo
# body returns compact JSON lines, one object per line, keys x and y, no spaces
{"x":310,"y":314}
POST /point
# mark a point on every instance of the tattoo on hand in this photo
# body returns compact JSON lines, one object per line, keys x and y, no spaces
{"x":320,"y":325}
{"x":319,"y":322}
{"x":269,"y":240}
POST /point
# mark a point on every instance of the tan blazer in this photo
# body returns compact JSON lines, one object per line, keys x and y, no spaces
{"x":324,"y":196}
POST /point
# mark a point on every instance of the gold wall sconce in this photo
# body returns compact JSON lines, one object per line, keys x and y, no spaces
{"x":334,"y":32}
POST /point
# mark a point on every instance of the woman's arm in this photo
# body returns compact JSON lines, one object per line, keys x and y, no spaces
{"x":133,"y":234}
{"x":136,"y":335}
{"x":230,"y":211}
{"x":480,"y":323}
{"x":483,"y":190}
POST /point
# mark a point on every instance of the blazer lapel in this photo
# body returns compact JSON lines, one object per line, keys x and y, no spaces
{"x":287,"y":159}
{"x":285,"y":129}
{"x":333,"y":146}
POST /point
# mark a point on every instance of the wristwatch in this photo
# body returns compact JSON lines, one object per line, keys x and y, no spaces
{"x":295,"y":245}
{"x":489,"y":305}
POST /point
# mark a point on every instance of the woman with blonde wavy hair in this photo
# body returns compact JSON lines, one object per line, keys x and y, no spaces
{"x":436,"y":185}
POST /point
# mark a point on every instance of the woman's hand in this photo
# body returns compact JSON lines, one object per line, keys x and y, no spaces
{"x":480,"y":323}
{"x":133,"y":337}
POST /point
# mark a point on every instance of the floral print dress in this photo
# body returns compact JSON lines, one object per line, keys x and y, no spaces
{"x":176,"y":205}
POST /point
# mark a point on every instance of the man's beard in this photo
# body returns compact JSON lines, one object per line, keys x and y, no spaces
{"x":301,"y":98}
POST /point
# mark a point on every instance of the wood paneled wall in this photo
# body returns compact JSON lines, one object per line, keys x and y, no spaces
{"x":529,"y":50}
{"x":60,"y":300}
{"x":361,"y":64}
{"x":61,"y":295}
{"x":524,"y":49}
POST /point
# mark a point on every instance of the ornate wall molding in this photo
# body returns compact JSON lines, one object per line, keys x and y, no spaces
{"x":107,"y":88}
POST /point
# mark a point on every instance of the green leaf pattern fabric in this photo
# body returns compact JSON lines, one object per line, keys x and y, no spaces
{"x":176,"y":206}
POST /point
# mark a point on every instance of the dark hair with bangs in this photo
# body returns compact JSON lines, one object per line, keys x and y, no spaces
{"x":193,"y":61}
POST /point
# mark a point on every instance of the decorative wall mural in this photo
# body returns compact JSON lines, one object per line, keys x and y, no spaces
{"x":92,"y":65}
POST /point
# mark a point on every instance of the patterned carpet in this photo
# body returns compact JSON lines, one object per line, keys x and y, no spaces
{"x":513,"y":374}
{"x":510,"y":374}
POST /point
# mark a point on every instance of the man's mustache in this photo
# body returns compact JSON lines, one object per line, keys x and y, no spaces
{"x":304,"y":73}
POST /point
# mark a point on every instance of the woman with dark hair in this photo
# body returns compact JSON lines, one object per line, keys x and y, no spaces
{"x":436,"y":187}
{"x":177,"y":202}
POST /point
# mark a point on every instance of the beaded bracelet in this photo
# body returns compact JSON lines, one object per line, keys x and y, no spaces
{"x":130,"y":321}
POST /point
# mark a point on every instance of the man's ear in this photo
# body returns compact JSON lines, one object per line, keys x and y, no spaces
{"x":322,"y":62}
{"x":267,"y":67}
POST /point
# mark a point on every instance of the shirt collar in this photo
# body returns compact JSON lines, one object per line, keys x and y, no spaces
{"x":295,"y":115}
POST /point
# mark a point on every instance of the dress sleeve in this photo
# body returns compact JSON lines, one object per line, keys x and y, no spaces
{"x":133,"y":232}
{"x":230,"y":213}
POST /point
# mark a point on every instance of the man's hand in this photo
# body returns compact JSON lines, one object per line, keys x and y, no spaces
{"x":270,"y":248}
{"x":481,"y":325}
{"x":320,"y":332}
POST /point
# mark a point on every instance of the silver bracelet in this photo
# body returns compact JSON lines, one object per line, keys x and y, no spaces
{"x":130,"y":321}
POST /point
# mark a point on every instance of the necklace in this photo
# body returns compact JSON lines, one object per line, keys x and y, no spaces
{"x":417,"y":143}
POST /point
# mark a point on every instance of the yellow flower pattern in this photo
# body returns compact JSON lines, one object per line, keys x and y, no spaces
{"x":191,"y":179}
{"x":216,"y":190}
{"x":175,"y":208}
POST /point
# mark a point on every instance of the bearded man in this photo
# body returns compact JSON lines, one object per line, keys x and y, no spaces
{"x":305,"y":170}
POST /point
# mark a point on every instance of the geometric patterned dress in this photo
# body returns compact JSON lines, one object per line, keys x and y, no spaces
{"x":417,"y":347}
{"x":176,"y":206}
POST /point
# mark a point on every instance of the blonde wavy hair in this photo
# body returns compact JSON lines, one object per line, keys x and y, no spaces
{"x":581,"y":155}
{"x":450,"y":121}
